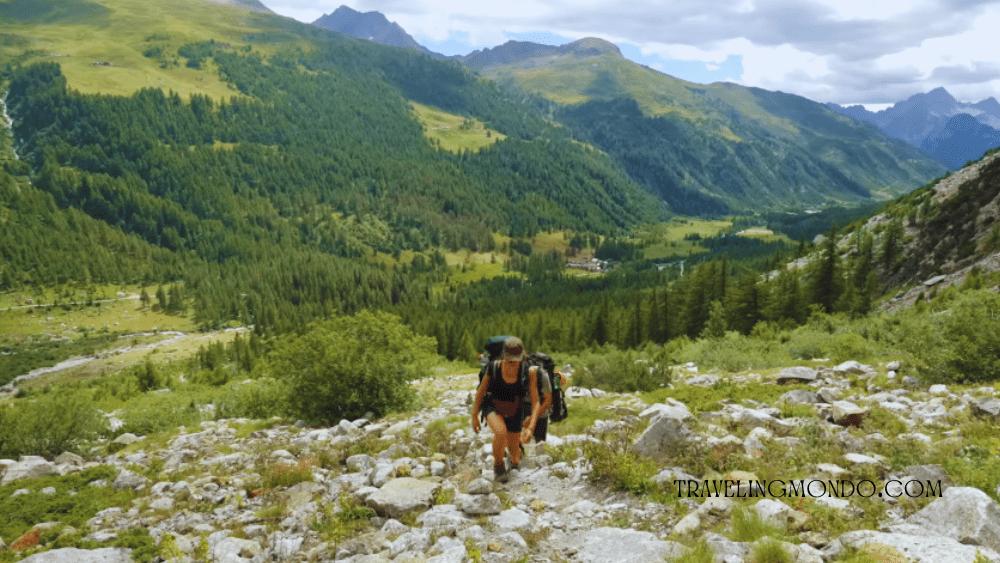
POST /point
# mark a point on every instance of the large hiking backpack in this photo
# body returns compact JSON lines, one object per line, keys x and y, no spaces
{"x":559,"y":411}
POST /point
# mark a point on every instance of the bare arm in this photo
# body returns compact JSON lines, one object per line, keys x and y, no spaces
{"x":533,"y":392}
{"x":480,"y":395}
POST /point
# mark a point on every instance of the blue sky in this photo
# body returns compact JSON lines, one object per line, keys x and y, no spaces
{"x":844,"y":51}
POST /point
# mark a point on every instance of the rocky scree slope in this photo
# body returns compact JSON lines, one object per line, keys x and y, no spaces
{"x":441,"y":504}
{"x":943,"y":231}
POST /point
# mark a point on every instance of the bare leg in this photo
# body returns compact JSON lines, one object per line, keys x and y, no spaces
{"x":500,"y":437}
{"x":514,"y":444}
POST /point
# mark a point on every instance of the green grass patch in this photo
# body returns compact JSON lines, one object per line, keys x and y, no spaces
{"x":706,"y":399}
{"x":75,"y":34}
{"x":583,"y":413}
{"x":22,"y":512}
{"x":453,"y":132}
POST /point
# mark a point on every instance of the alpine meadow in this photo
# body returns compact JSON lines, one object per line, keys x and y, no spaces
{"x":249,"y":266}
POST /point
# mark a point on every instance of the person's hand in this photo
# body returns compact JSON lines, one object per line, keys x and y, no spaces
{"x":526,"y":434}
{"x":475,"y":424}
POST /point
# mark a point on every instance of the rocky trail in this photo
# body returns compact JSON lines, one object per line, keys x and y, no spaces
{"x":427,"y":479}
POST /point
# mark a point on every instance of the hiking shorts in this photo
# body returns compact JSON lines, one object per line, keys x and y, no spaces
{"x":512,"y":423}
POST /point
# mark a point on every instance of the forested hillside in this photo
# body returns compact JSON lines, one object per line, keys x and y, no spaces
{"x":710,"y":148}
{"x":269,"y":204}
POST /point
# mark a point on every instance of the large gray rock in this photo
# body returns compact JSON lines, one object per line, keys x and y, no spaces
{"x":918,"y":546}
{"x":797,"y":375}
{"x":932,"y":474}
{"x":128,"y":480}
{"x":673,"y":409}
{"x":68,"y":458}
{"x":477,"y":505}
{"x":232,"y":548}
{"x":965,"y":514}
{"x":987,"y":408}
{"x":402,"y":495}
{"x":851,"y":367}
{"x":444,"y":516}
{"x":846,"y":413}
{"x":74,"y":555}
{"x":513,"y":519}
{"x":748,"y":419}
{"x":799,"y":397}
{"x":29,"y":467}
{"x":665,"y":432}
{"x":616,"y":545}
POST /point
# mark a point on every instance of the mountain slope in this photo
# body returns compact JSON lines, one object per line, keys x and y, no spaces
{"x":709,"y":148}
{"x":289,"y":160}
{"x":923,"y":117}
{"x":372,"y":26}
{"x":936,"y":234}
{"x":960,"y":140}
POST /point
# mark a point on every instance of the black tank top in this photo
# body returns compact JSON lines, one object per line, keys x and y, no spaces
{"x":503,"y":392}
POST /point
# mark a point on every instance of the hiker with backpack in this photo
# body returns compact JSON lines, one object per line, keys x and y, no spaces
{"x":502,"y":390}
{"x":550,"y":388}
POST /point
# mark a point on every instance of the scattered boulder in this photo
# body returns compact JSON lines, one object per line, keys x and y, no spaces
{"x":932,"y":474}
{"x":74,"y":555}
{"x":399,"y":496}
{"x":797,"y":375}
{"x":711,"y":512}
{"x":706,"y":380}
{"x":851,"y":367}
{"x":846,"y":413}
{"x":616,"y":545}
{"x":666,"y":431}
{"x":128,"y":480}
{"x":965,"y":514}
{"x":513,"y":519}
{"x":478,"y":505}
{"x":918,"y":546}
{"x":67,"y":458}
{"x":126,"y":439}
{"x":799,"y":397}
{"x":828,"y":395}
{"x":987,"y":407}
{"x":29,"y":467}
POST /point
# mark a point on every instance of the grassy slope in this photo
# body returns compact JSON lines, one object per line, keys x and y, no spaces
{"x":446,"y":129}
{"x":77,"y":33}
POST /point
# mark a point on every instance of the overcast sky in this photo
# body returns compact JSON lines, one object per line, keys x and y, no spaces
{"x":874,"y":52}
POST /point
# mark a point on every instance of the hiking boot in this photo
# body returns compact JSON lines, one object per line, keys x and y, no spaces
{"x":500,"y":473}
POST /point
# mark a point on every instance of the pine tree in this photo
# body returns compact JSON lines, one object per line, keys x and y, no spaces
{"x":715,"y":327}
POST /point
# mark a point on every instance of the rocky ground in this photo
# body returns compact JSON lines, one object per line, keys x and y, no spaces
{"x":428,"y":480}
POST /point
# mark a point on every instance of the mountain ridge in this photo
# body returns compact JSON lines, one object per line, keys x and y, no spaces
{"x":373,"y":26}
{"x":718,"y":165}
{"x":922,"y":118}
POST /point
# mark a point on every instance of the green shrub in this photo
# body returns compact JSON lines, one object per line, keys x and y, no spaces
{"x":624,"y":470}
{"x":287,"y":474}
{"x":347,"y":366}
{"x":700,"y":553}
{"x":48,"y":425}
{"x":257,"y":399}
{"x":347,"y":522}
{"x":769,"y":551}
{"x":748,"y":526}
{"x":736,"y":352}
{"x":22,"y":512}
{"x":622,"y":372}
{"x":850,"y":346}
{"x":960,"y":343}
